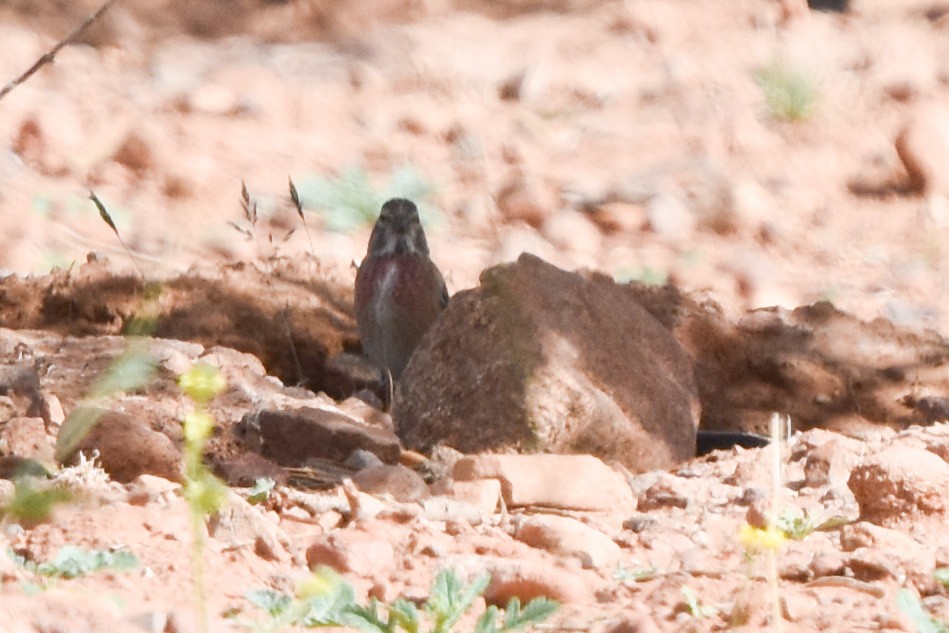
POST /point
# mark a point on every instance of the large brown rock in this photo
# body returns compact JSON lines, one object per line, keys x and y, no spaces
{"x":540,"y":359}
{"x":127,"y":447}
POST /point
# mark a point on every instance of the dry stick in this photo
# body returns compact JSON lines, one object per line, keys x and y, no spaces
{"x":51,"y":55}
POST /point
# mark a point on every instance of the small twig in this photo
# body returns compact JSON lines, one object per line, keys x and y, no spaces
{"x":295,"y":197}
{"x":51,"y":55}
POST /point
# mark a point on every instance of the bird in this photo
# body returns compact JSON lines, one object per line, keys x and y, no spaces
{"x":399,"y":289}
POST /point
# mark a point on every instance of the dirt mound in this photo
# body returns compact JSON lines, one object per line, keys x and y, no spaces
{"x":282,"y":311}
{"x":821,"y":366}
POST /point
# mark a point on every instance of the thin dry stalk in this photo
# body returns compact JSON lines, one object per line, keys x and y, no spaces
{"x":295,"y":197}
{"x":51,"y":55}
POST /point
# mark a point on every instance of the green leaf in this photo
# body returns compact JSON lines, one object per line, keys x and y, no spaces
{"x":31,"y":588}
{"x":349,"y":200}
{"x":536,"y":611}
{"x":261,"y":490}
{"x":71,"y":562}
{"x":366,"y":618}
{"x":450,"y":599}
{"x":790,"y":94}
{"x":696,"y":608}
{"x":942,"y":575}
{"x":404,"y":614}
{"x":328,"y":609}
{"x":205,"y":493}
{"x":273,"y":602}
{"x":33,"y":505}
{"x":131,"y":371}
{"x":636,"y":575}
{"x":103,"y":213}
{"x":909,"y":603}
{"x":488,"y":622}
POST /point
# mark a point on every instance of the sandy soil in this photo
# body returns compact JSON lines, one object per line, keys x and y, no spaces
{"x":629,"y":137}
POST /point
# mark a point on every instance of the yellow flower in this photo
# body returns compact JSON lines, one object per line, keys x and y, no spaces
{"x":322,"y":582}
{"x":761,"y":539}
{"x":202,"y":382}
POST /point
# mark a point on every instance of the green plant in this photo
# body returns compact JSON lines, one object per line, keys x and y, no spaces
{"x":31,"y":503}
{"x":942,"y":575}
{"x":694,"y":606}
{"x":349,"y":200}
{"x":72,"y":561}
{"x":796,"y":526}
{"x":327,"y":599}
{"x":260,"y":490}
{"x":908,"y":602}
{"x":644,"y":275}
{"x":634,"y":575}
{"x":204,"y":492}
{"x":790,"y":94}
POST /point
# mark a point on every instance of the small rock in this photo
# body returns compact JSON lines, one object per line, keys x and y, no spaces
{"x":640,"y":522}
{"x":55,"y":409}
{"x":361,"y":459}
{"x":352,"y":551}
{"x":796,"y":606}
{"x":670,"y":218}
{"x":665,"y":493}
{"x":213,"y":99}
{"x":362,"y":506}
{"x":240,"y":524}
{"x":292,"y":437}
{"x":483,"y":494}
{"x":135,"y":152}
{"x":900,"y":484}
{"x":26,"y":437}
{"x":244,"y":469}
{"x":828,"y":563}
{"x":632,"y":623}
{"x":831,"y":463}
{"x":146,"y":489}
{"x":564,"y":536}
{"x":923,"y":146}
{"x":526,"y":200}
{"x":445,"y":509}
{"x":362,"y":410}
{"x":570,"y":482}
{"x":573,"y":232}
{"x":619,"y":217}
{"x":7,"y":490}
{"x":527,"y":580}
{"x":527,"y":84}
{"x":404,"y":484}
{"x":127,"y":447}
{"x":63,"y":611}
